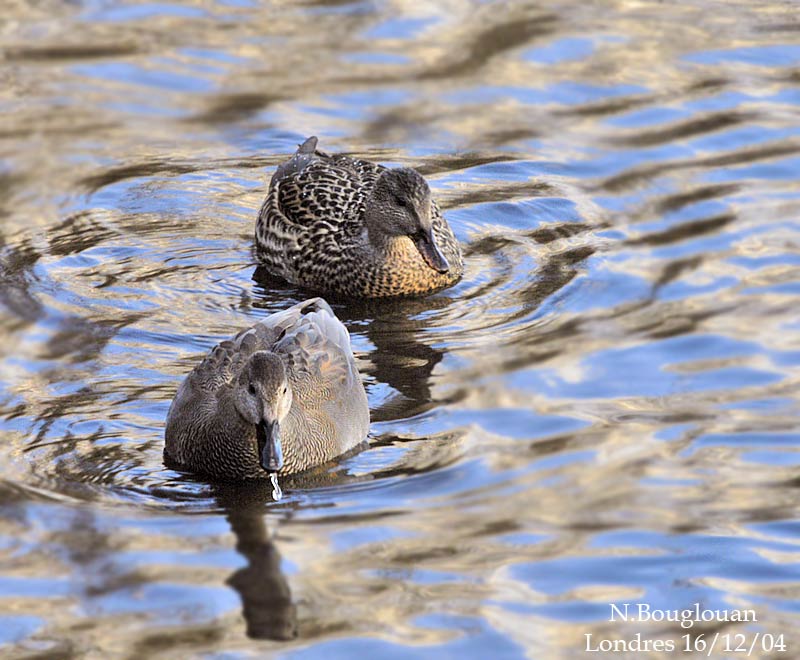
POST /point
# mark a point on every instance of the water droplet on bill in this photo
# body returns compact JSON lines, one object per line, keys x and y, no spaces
{"x":277,"y":493}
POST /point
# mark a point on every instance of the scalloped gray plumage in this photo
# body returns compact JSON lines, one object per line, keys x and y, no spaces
{"x":206,"y":431}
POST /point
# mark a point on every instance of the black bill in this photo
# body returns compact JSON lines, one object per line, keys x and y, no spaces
{"x":270,"y":454}
{"x":430,"y":251}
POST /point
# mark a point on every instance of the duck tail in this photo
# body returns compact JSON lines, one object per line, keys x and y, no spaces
{"x":305,"y":154}
{"x":309,"y":146}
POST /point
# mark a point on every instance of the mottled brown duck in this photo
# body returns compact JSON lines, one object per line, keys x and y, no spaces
{"x":280,"y":397}
{"x":354,"y":228}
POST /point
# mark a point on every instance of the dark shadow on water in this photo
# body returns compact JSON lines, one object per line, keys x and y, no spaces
{"x":401,"y":359}
{"x":18,"y":302}
{"x":267,"y":606}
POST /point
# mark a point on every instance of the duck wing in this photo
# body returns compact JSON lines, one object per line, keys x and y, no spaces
{"x":308,"y":335}
{"x":329,"y":406}
{"x":325,"y":192}
{"x":319,"y":359}
{"x":223,"y":363}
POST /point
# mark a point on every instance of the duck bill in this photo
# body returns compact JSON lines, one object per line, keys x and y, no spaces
{"x":430,"y":251}
{"x":270,"y":455}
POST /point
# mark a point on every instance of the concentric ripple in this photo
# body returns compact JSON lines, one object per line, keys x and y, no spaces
{"x":603,"y":410}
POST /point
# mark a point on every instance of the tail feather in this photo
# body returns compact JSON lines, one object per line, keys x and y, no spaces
{"x":305,"y":154}
{"x":313,"y":313}
{"x":309,"y":146}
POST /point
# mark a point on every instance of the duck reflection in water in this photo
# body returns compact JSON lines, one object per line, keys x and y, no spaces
{"x":267,"y":606}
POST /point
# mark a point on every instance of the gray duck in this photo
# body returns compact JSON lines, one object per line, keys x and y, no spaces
{"x":354,"y":228}
{"x":280,"y":397}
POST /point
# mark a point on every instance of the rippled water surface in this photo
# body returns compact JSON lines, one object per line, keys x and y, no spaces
{"x":604,"y":410}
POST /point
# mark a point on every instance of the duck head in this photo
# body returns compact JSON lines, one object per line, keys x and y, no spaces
{"x":400,"y":205}
{"x":263,"y":397}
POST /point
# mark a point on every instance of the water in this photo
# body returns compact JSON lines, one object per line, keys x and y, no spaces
{"x":277,"y":493}
{"x":604,"y":410}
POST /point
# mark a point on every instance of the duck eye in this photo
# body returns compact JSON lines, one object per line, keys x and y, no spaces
{"x":252,"y":389}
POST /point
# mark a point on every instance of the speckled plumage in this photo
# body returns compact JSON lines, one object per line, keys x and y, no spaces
{"x":329,"y":414}
{"x":313,"y":229}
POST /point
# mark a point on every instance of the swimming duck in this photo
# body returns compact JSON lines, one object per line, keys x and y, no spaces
{"x":280,"y":397}
{"x":354,"y":228}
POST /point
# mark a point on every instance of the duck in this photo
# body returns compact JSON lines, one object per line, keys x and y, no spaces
{"x":280,"y":397}
{"x":353,"y":228}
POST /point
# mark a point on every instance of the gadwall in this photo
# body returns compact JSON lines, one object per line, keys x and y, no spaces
{"x":280,"y":397}
{"x":354,"y":228}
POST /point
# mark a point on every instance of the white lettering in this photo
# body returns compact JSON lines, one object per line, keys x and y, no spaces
{"x":687,"y":618}
{"x":616,"y":612}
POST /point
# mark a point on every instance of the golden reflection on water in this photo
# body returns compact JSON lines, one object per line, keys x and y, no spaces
{"x":604,"y":410}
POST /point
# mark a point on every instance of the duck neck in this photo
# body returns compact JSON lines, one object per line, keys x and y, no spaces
{"x":234,"y":439}
{"x":229,"y":415}
{"x":377,"y":242}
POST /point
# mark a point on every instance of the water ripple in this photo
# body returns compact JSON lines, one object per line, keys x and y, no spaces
{"x":603,"y":410}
